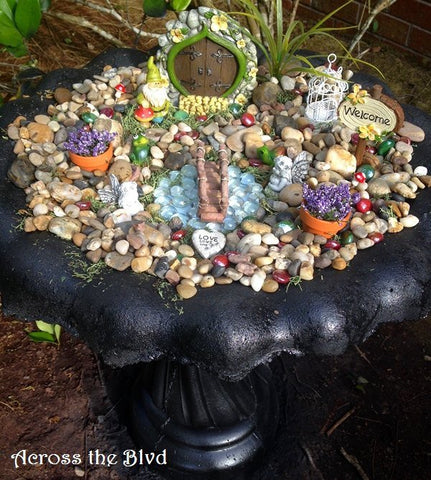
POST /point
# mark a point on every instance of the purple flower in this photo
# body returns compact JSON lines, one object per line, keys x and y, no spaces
{"x":328,"y":201}
{"x":88,"y":143}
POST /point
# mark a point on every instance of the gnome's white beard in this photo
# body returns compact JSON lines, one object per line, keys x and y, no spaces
{"x":156,"y":96}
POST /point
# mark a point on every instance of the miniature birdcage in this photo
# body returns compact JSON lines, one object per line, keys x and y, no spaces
{"x":325,"y":94}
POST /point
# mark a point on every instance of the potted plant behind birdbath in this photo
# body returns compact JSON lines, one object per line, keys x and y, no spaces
{"x":90,"y":149}
{"x":327,"y":209}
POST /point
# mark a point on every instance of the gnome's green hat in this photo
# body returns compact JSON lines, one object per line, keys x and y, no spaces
{"x":153,"y":74}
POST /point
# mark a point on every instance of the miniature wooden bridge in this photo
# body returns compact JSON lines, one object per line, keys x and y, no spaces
{"x":213,"y":185}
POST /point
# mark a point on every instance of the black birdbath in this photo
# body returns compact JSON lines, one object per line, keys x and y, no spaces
{"x":205,"y":392}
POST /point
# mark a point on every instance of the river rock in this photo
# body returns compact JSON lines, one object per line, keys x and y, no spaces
{"x":122,"y":169}
{"x":62,"y":95}
{"x":289,"y":132}
{"x":41,"y":222}
{"x":64,"y":227}
{"x":117,"y":261}
{"x":415,"y":133}
{"x":175,"y":160}
{"x":378,"y":187}
{"x":186,"y":291}
{"x":306,"y":271}
{"x":409,"y":221}
{"x":253,"y":226}
{"x":257,"y":280}
{"x":252,"y":141}
{"x":152,"y":235}
{"x":62,"y":191}
{"x":341,"y":161}
{"x":282,"y":121}
{"x":21,"y":172}
{"x":40,"y":133}
{"x":266,"y":94}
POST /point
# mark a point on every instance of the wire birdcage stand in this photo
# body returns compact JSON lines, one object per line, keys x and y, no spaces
{"x":325,"y":94}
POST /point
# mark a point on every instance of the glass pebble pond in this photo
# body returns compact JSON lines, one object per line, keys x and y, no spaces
{"x":177,"y":194}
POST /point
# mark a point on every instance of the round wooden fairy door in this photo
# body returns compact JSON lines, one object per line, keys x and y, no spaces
{"x":207,"y":53}
{"x":206,"y":68}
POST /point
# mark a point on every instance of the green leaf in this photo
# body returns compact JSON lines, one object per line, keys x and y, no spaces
{"x":154,"y":8}
{"x":18,"y":51}
{"x":178,"y":5}
{"x":6,"y":7}
{"x":9,"y":35}
{"x":375,"y":26}
{"x":45,"y":327}
{"x":57,"y":332}
{"x":42,"y":337}
{"x":27,"y":17}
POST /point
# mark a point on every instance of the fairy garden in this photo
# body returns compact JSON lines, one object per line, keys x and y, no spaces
{"x":205,"y":166}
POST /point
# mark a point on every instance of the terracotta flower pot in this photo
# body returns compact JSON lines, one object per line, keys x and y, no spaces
{"x":321,"y":227}
{"x":99,"y":162}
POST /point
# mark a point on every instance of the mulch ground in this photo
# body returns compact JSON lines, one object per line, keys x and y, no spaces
{"x":363,"y":414}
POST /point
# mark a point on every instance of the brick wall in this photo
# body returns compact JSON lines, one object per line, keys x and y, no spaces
{"x":405,"y":26}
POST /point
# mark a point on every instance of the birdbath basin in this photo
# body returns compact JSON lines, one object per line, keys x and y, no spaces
{"x":206,"y":392}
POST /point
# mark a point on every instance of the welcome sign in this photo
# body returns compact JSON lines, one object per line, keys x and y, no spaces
{"x":372,"y":111}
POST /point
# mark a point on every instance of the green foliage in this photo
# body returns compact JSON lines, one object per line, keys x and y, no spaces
{"x":280,"y":43}
{"x":19,"y":20}
{"x":47,"y":333}
{"x":157,"y":8}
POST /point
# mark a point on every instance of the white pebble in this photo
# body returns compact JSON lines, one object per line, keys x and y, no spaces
{"x":58,"y":211}
{"x":122,"y":247}
{"x":257,"y":280}
{"x":420,"y":171}
{"x":409,"y":221}
{"x":40,"y":209}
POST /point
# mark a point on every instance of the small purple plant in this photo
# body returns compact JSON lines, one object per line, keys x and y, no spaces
{"x":88,"y":142}
{"x":329,"y":202}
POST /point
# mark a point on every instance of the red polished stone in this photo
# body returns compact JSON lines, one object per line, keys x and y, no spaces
{"x":83,"y":205}
{"x":178,"y":135}
{"x":201,"y":118}
{"x":221,"y":260}
{"x":194,"y":134}
{"x":281,"y":276}
{"x":376,"y":237}
{"x":360,"y":177}
{"x":179,"y":234}
{"x":255,"y":162}
{"x":371,"y":149}
{"x":240,"y":233}
{"x":405,"y":140}
{"x":364,"y":205}
{"x":248,"y":120}
{"x":107,"y":111}
{"x":332,"y":244}
{"x":354,"y":138}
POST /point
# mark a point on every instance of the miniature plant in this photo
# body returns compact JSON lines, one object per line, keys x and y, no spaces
{"x":329,"y":202}
{"x":88,"y":142}
{"x":280,"y":45}
{"x":47,"y":333}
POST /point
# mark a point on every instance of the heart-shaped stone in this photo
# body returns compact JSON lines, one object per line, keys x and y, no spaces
{"x":207,"y":243}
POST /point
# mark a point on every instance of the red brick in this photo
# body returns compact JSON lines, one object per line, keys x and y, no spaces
{"x":420,"y":41}
{"x":393,"y":29}
{"x":349,"y":13}
{"x":413,"y":11}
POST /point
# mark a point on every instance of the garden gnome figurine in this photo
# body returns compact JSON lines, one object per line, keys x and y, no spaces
{"x":154,"y":92}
